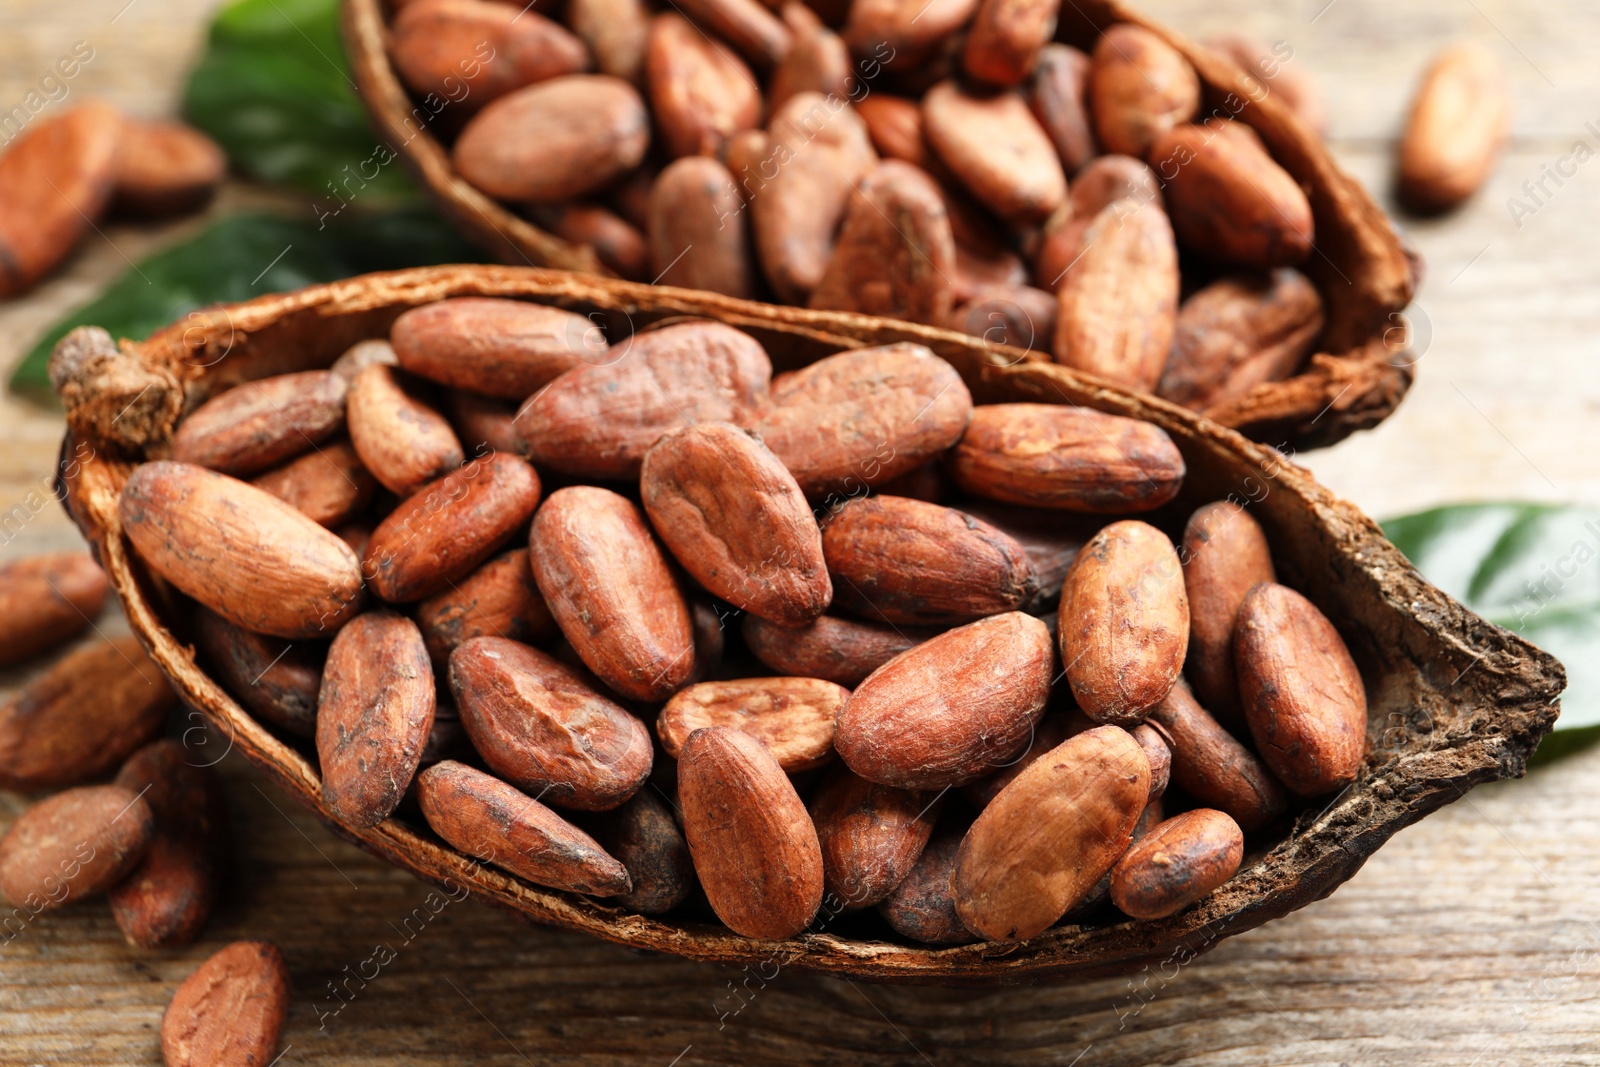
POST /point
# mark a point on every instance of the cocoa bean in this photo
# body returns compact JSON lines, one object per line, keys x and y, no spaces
{"x":1179,"y":862}
{"x":229,"y":1011}
{"x":400,"y":438}
{"x":46,"y":601}
{"x":499,"y":348}
{"x":73,"y":845}
{"x":259,"y":424}
{"x":499,"y":599}
{"x":1225,"y":555}
{"x":793,"y":717}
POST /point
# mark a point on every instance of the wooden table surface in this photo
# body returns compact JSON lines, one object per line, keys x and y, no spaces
{"x":1469,"y":939}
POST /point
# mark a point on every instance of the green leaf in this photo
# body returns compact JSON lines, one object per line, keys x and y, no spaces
{"x":245,"y":256}
{"x":1532,"y":568}
{"x":274,"y":89}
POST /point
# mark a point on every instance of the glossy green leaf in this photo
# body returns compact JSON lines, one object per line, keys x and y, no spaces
{"x":274,"y":89}
{"x":1532,"y":568}
{"x":245,"y":256}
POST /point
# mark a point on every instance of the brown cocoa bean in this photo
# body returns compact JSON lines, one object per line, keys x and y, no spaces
{"x":1124,"y":622}
{"x":1177,"y":863}
{"x":1059,"y":97}
{"x":1458,"y":124}
{"x":46,"y":601}
{"x":1213,"y":767}
{"x":164,"y":168}
{"x":871,"y":835}
{"x":277,"y":681}
{"x":921,"y":906}
{"x":483,"y":424}
{"x":361,"y":355}
{"x":793,"y":717}
{"x":843,"y":651}
{"x":860,"y":419}
{"x":328,"y":484}
{"x":166,"y":900}
{"x":538,"y":726}
{"x":615,"y":31}
{"x":400,"y":438}
{"x":472,"y":52}
{"x":1067,"y":458}
{"x":499,"y":348}
{"x":1051,"y":540}
{"x":818,"y":60}
{"x":1158,"y":754}
{"x":700,"y":94}
{"x":499,"y":599}
{"x":895,"y":255}
{"x":58,"y":177}
{"x":1273,"y":72}
{"x":997,"y":149}
{"x":610,"y":590}
{"x":699,"y":237}
{"x":645,"y":839}
{"x":598,"y":421}
{"x":1102,"y":182}
{"x":754,"y":847}
{"x":984,"y":259}
{"x":953,"y":708}
{"x":1006,"y":37}
{"x":556,"y":140}
{"x":895,"y":126}
{"x":1043,"y":843}
{"x":1017,"y":315}
{"x":1053,"y":728}
{"x":1237,"y":333}
{"x":1119,"y":301}
{"x":904,"y":34}
{"x":73,"y":845}
{"x":374,"y":714}
{"x":229,"y":1011}
{"x":736,"y":520}
{"x":259,"y":424}
{"x":1140,"y":87}
{"x":620,"y":245}
{"x":749,"y":25}
{"x":240,"y":551}
{"x":1301,"y":691}
{"x":898,"y":560}
{"x":1225,"y":555}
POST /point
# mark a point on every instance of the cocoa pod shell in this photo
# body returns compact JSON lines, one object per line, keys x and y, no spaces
{"x":259,"y":424}
{"x":46,"y":601}
{"x":1177,"y":863}
{"x":231,"y":1010}
{"x":793,"y":717}
{"x":504,"y":349}
{"x":73,"y":845}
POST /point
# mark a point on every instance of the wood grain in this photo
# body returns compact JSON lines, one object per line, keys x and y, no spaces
{"x":1469,"y":938}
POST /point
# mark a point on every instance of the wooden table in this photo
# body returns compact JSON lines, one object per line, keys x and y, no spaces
{"x":1469,"y":939}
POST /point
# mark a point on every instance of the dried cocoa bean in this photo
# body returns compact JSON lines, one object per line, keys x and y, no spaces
{"x":615,"y":31}
{"x":1237,"y":333}
{"x":400,"y":438}
{"x":46,"y":601}
{"x":499,"y":348}
{"x":499,"y":599}
{"x":1458,"y":124}
{"x":1213,"y":767}
{"x":259,"y":424}
{"x":1225,"y":555}
{"x":164,"y":168}
{"x":793,"y":717}
{"x":997,"y":149}
{"x":328,"y":484}
{"x":229,"y":1011}
{"x":472,"y":52}
{"x":1059,"y":97}
{"x":844,"y":651}
{"x":1140,"y":87}
{"x":277,"y":681}
{"x":921,"y":906}
{"x":871,"y":835}
{"x":700,"y":94}
{"x":58,"y":177}
{"x":699,"y":238}
{"x":645,"y":839}
{"x":73,"y":845}
{"x":1006,"y":37}
{"x":818,"y":60}
{"x":1179,"y":862}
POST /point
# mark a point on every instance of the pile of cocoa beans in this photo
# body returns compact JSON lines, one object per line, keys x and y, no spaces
{"x":681,"y":634}
{"x":884,"y":157}
{"x":64,"y":173}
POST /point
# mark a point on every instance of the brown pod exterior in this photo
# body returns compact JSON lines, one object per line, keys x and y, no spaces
{"x":816,"y":153}
{"x":72,"y":846}
{"x":871,"y":835}
{"x":793,"y":717}
{"x":1458,"y":124}
{"x":997,"y":150}
{"x":615,"y":31}
{"x":1140,"y":87}
{"x":644,"y":838}
{"x":1277,"y":74}
{"x":484,"y":425}
{"x":492,"y":822}
{"x":895,"y":254}
{"x":598,"y":421}
{"x":898,"y":560}
{"x":1016,"y":315}
{"x":895,"y":126}
{"x":1066,"y":458}
{"x":374,"y":714}
{"x":442,"y":532}
{"x":109,"y":692}
{"x":556,"y":140}
{"x":1124,"y":622}
{"x":620,"y":245}
{"x":1052,"y":729}
{"x":1119,"y":301}
{"x":1100,"y":183}
{"x":277,"y":681}
{"x":1229,"y":200}
{"x":1043,"y":843}
{"x":505,"y":349}
{"x":818,"y":60}
{"x":1237,"y":333}
{"x":838,"y":650}
{"x":230,"y":1011}
{"x":328,"y":485}
{"x":749,"y":25}
{"x":1209,"y":764}
{"x":701,"y":94}
{"x":952,"y":709}
{"x":499,"y":599}
{"x":1302,"y":694}
{"x":902,"y":35}
{"x":860,"y":419}
{"x":1006,"y":38}
{"x":1059,"y":97}
{"x":58,"y":177}
{"x":921,"y":907}
{"x":541,"y":728}
{"x":1177,"y":863}
{"x":441,"y":47}
{"x":259,"y":424}
{"x":46,"y":601}
{"x":361,"y":355}
{"x":754,"y":847}
{"x":699,"y":237}
{"x":400,"y":438}
{"x":1225,"y":555}
{"x":164,"y":168}
{"x":1158,"y":754}
{"x":166,"y":900}
{"x":735,"y":519}
{"x":611,"y":592}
